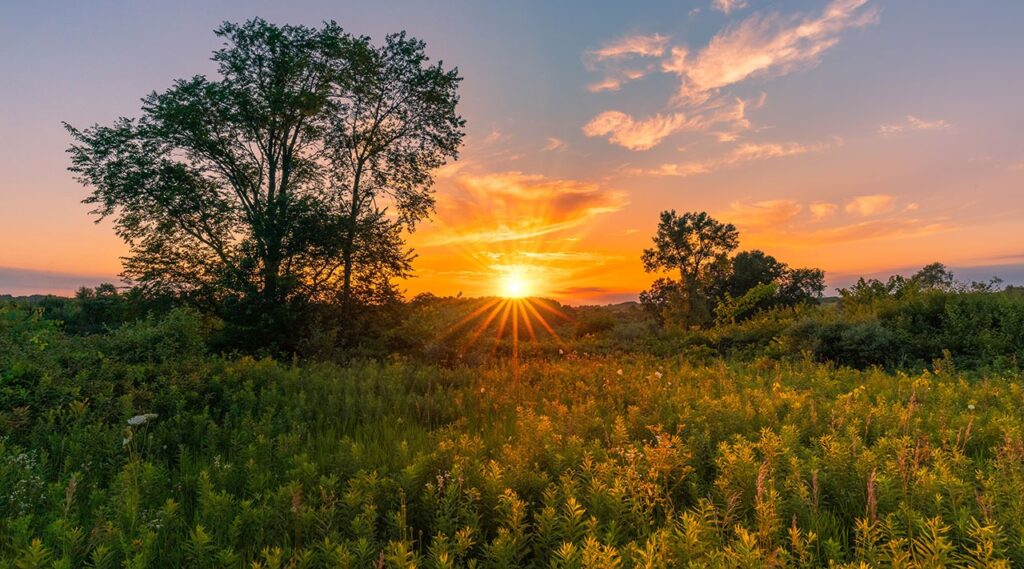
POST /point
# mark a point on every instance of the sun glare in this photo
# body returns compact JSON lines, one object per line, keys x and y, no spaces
{"x":515,"y":285}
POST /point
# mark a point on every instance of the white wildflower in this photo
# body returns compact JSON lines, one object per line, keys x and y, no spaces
{"x":142,"y":419}
{"x":561,"y":352}
{"x":619,"y":372}
{"x":657,"y":374}
{"x":971,"y":406}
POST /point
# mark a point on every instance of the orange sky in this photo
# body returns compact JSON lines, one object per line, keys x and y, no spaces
{"x":859,"y":136}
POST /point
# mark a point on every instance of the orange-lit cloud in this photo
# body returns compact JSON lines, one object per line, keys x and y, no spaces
{"x":822,"y":210}
{"x":633,"y":134}
{"x":871,"y":205}
{"x":507,"y":206}
{"x":782,"y":222}
{"x":743,"y":153}
{"x":873,"y":229}
{"x":618,"y":60}
{"x":912,"y":123}
{"x":638,"y":45}
{"x":644,"y":134}
{"x":769,"y":213}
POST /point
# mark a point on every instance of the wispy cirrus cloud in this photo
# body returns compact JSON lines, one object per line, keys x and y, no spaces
{"x":912,"y":123}
{"x":637,"y":45}
{"x":626,"y":59}
{"x":742,"y":153}
{"x":784,"y":221}
{"x":763,"y":45}
{"x":889,"y":228}
{"x":481,"y":208}
{"x":728,"y":6}
{"x":634,"y":134}
{"x":555,"y":144}
{"x":642,"y":134}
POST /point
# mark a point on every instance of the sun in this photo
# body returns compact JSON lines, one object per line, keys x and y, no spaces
{"x":515,"y":285}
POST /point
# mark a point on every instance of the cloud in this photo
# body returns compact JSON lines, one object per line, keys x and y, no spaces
{"x":643,"y":134}
{"x":555,"y":144}
{"x":767,"y":45}
{"x":726,"y":6}
{"x":509,"y":206}
{"x":782,"y":222}
{"x":619,"y":60}
{"x":873,"y":229}
{"x":822,"y":210}
{"x":871,"y":205}
{"x":742,"y":153}
{"x":616,"y":78}
{"x":1016,"y":167}
{"x":627,"y":132}
{"x":494,"y":136}
{"x":912,"y":123}
{"x":629,"y":46}
{"x":758,"y":46}
{"x":763,"y":213}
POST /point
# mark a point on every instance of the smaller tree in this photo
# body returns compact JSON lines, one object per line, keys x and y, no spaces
{"x":666,"y":302}
{"x":798,"y":286}
{"x":934,"y":276}
{"x":752,"y":268}
{"x":697,"y":246}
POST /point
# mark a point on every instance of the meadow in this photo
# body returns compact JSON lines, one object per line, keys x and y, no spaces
{"x":138,"y":448}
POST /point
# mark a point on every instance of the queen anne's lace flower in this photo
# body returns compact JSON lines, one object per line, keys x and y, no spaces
{"x":142,"y":419}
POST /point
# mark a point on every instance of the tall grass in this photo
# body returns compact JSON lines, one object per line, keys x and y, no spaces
{"x":626,"y":461}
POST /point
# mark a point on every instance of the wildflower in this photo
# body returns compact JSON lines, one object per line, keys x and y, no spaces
{"x":142,"y":419}
{"x":970,"y":406}
{"x":657,"y":374}
{"x":561,"y":352}
{"x":619,"y":372}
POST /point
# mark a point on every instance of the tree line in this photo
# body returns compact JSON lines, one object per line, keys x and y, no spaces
{"x":713,"y":286}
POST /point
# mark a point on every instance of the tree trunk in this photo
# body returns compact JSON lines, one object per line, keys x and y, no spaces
{"x":349,"y":245}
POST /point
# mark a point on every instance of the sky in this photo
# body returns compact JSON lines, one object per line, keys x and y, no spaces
{"x":864,"y":137}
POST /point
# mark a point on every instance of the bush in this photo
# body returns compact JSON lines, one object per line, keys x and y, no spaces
{"x":593,"y":323}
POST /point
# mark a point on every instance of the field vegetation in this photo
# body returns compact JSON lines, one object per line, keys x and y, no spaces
{"x":615,"y":445}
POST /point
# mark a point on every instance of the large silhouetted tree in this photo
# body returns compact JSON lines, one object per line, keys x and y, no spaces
{"x":288,"y":178}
